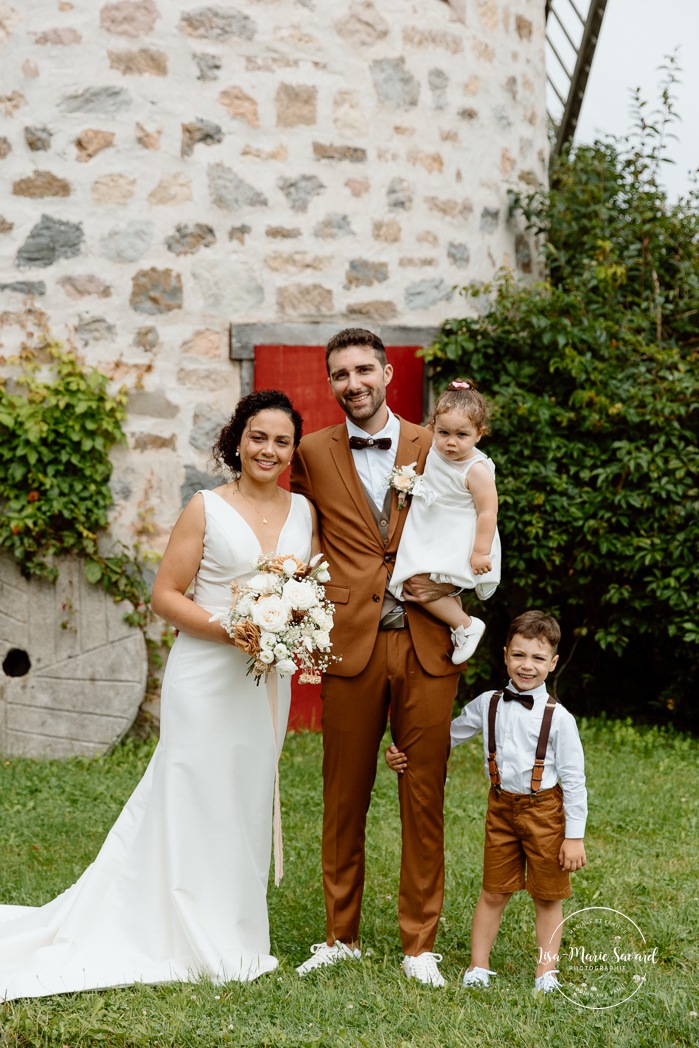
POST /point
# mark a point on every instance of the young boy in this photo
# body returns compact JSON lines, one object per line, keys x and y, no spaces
{"x":537,"y":805}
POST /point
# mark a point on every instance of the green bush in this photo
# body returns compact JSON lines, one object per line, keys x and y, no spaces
{"x":594,"y":382}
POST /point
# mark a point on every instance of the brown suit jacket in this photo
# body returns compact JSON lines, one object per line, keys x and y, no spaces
{"x":323,"y":470}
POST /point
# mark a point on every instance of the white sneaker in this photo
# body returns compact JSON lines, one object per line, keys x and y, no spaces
{"x":547,"y":983}
{"x":477,"y":977}
{"x":466,"y":639}
{"x":323,"y":955}
{"x":424,"y":969}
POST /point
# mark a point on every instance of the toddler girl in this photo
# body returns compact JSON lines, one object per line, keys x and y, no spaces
{"x":451,"y":530}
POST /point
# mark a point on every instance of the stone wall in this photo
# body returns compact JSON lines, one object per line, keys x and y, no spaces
{"x":170,"y":170}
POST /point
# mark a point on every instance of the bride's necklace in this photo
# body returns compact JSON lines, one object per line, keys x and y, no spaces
{"x":251,"y":504}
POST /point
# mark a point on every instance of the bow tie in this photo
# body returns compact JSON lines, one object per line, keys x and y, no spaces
{"x":524,"y":700}
{"x":383,"y":443}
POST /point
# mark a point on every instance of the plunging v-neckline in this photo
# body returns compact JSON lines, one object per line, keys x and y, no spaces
{"x":237,"y":512}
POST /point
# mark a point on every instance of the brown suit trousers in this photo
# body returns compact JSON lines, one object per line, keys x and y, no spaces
{"x":409,"y":670}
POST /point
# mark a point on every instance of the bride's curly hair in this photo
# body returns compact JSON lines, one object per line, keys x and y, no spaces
{"x":225,"y":450}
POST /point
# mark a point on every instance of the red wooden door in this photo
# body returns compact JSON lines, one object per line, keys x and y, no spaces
{"x":300,"y":371}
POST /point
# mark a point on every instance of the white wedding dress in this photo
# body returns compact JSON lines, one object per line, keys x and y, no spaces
{"x":178,"y":890}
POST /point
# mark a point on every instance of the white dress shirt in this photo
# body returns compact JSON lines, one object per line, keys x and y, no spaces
{"x":373,"y":464}
{"x":516,"y":735}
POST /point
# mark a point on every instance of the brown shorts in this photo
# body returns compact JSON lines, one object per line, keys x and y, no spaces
{"x":525,"y":832}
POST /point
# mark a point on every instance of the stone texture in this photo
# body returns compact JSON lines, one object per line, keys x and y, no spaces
{"x":426,"y":293}
{"x":450,"y":208}
{"x":358,"y":187}
{"x":490,"y":217}
{"x":12,"y":102}
{"x":91,"y":142}
{"x":230,"y":192}
{"x":187,"y":240}
{"x":206,"y":426}
{"x":333,"y":227}
{"x":388,"y":232}
{"x":148,"y":139}
{"x":362,"y":273}
{"x":428,"y":237}
{"x":144,"y":62}
{"x":349,"y":117}
{"x":239,"y":233}
{"x":432,"y":40}
{"x":106,"y":101}
{"x":279,"y":153}
{"x":399,"y":195}
{"x":363,"y":26}
{"x":41,"y":184}
{"x":195,"y":480}
{"x":7,"y":227}
{"x":25,"y":287}
{"x":5,"y":147}
{"x":299,"y":192}
{"x":226,"y":285}
{"x":296,"y":105}
{"x":488,"y":14}
{"x":147,"y":338}
{"x":296,"y":262}
{"x":204,"y":343}
{"x":218,"y":23}
{"x":352,"y":154}
{"x":9,"y":18}
{"x":523,"y":253}
{"x":61,"y":37}
{"x":87,"y":668}
{"x":153,"y":442}
{"x":171,"y":190}
{"x":305,"y":300}
{"x":281,"y":232}
{"x":376,"y":309}
{"x":430,"y":161}
{"x":208,"y":66}
{"x":50,"y":240}
{"x":154,"y":405}
{"x":95,"y":329}
{"x":113,"y":189}
{"x":523,"y":27}
{"x":38,"y":139}
{"x":30,"y":69}
{"x":201,"y":378}
{"x":438,"y":82}
{"x":127,"y":242}
{"x":458,"y":254}
{"x":156,"y":291}
{"x":240,"y":105}
{"x":201,"y":132}
{"x":408,"y":262}
{"x":80,"y":286}
{"x":395,"y":86}
{"x":129,"y":17}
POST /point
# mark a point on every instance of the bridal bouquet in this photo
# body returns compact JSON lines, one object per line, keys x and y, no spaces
{"x":281,"y":617}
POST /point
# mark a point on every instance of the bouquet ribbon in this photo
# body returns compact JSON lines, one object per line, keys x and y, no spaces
{"x":272,"y":684}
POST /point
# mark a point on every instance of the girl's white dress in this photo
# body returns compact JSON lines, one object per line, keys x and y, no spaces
{"x":440,"y":531}
{"x":178,"y":890}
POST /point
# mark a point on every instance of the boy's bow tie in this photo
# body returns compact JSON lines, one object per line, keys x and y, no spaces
{"x":383,"y":443}
{"x":523,"y":700}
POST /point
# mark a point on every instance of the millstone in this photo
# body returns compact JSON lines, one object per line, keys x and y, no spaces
{"x":73,"y":673}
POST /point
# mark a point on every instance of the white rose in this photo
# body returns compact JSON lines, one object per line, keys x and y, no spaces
{"x":270,"y":613}
{"x":286,"y":667}
{"x":265,"y":582}
{"x":323,"y":575}
{"x":299,"y":595}
{"x":289,"y":566}
{"x":281,"y":651}
{"x":267,"y":657}
{"x":321,"y":618}
{"x":322,"y":639}
{"x":402,"y":483}
{"x":268,"y":641}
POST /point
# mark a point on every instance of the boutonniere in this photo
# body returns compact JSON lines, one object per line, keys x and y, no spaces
{"x":403,"y":479}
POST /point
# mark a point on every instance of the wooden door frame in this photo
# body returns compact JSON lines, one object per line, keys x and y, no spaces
{"x":242,"y":339}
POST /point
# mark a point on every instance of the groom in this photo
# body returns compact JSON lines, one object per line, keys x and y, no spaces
{"x":391,"y":654}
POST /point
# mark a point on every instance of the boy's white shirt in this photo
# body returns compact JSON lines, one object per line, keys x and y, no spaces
{"x":516,"y":735}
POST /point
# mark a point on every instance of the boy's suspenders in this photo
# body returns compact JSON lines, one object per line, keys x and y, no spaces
{"x":545,"y":731}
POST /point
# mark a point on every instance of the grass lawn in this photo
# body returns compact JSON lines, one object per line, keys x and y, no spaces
{"x":642,"y":849}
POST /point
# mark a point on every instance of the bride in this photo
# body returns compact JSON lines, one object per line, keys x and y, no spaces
{"x":178,"y":890}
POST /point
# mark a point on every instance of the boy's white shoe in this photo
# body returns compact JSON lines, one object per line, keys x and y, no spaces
{"x":466,"y":639}
{"x":424,"y":969}
{"x":323,"y":955}
{"x":477,"y":977}
{"x":547,"y":983}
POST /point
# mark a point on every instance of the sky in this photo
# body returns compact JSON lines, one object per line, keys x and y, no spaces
{"x":635,"y":38}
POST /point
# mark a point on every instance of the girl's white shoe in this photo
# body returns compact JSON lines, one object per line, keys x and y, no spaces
{"x":477,"y":977}
{"x":466,"y":639}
